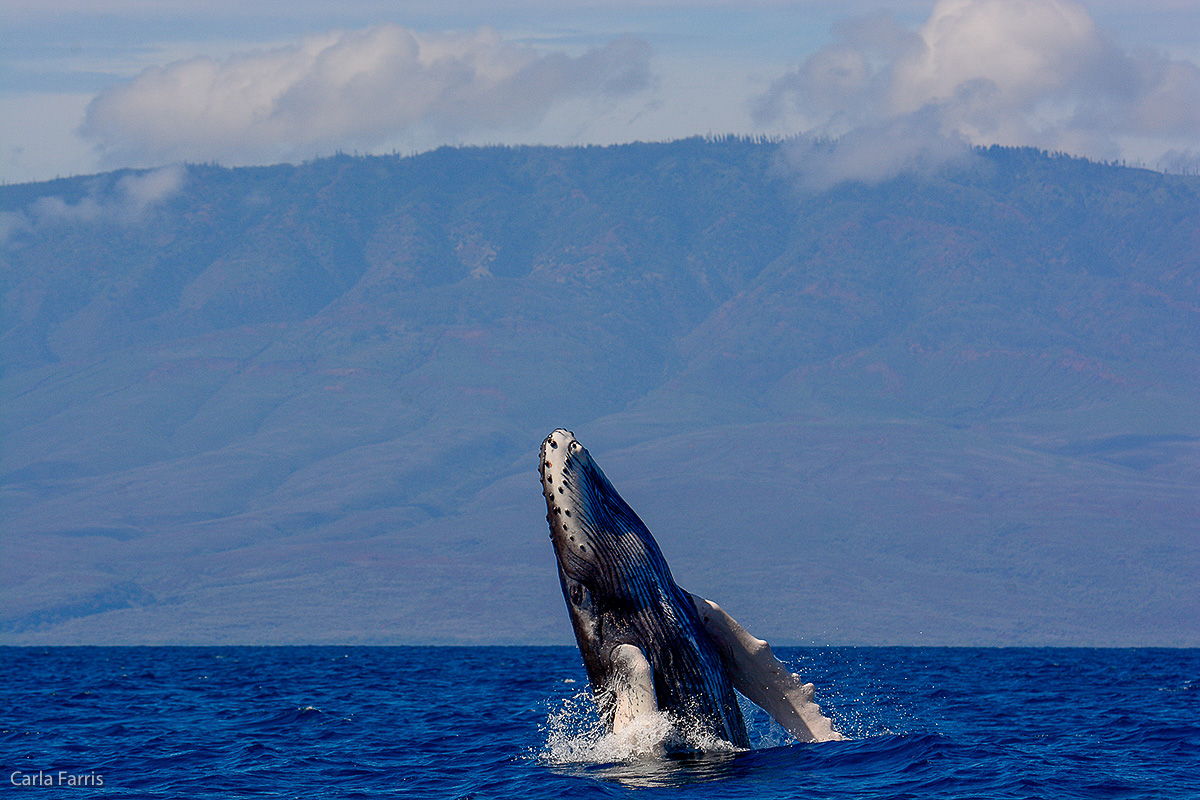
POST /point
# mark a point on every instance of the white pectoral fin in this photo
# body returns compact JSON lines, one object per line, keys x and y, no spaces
{"x":763,"y":679}
{"x":632,"y":686}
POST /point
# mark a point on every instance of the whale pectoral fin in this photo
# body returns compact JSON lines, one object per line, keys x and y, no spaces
{"x":632,"y":686}
{"x":759,"y":675}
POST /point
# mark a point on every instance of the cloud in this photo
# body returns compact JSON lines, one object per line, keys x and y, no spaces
{"x":1013,"y":72}
{"x":909,"y":144}
{"x":125,"y":202}
{"x":347,"y":90}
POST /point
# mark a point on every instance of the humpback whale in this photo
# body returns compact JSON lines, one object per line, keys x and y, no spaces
{"x":648,"y":645}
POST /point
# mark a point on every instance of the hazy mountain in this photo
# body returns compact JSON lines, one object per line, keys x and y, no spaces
{"x":303,"y":403}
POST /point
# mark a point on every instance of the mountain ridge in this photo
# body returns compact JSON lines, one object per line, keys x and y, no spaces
{"x":288,"y":403}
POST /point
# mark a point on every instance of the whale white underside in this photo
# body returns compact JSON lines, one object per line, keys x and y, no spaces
{"x":763,"y":679}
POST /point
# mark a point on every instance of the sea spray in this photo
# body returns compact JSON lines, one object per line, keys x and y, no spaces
{"x":575,"y":735}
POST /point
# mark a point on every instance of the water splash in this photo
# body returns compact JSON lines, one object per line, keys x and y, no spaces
{"x":575,"y":735}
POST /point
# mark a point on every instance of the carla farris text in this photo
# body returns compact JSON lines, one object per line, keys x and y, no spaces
{"x":55,"y":778}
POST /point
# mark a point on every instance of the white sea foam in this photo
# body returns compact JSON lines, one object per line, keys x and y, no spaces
{"x":575,"y":735}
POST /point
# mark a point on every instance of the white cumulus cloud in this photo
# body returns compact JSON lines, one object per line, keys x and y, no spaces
{"x":349,"y":89}
{"x":1012,"y":72}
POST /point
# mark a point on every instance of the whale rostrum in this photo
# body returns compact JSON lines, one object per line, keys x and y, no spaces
{"x":647,"y":644}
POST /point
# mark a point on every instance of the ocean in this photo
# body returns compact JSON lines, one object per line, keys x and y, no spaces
{"x":500,"y":722}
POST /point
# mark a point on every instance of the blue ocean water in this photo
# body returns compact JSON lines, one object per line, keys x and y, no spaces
{"x":516,"y":722}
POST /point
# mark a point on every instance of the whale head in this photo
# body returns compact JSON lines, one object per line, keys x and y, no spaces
{"x":609,"y":565}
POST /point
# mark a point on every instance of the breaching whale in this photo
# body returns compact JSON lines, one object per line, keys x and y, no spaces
{"x":647,"y":644}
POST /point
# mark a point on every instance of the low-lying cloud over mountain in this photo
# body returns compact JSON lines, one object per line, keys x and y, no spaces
{"x":126,"y":202}
{"x":1011,"y":72}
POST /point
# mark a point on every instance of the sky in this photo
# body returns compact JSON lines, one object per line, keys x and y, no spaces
{"x":93,"y":85}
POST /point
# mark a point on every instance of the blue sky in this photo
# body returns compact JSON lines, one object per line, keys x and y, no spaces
{"x":87,"y":86}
